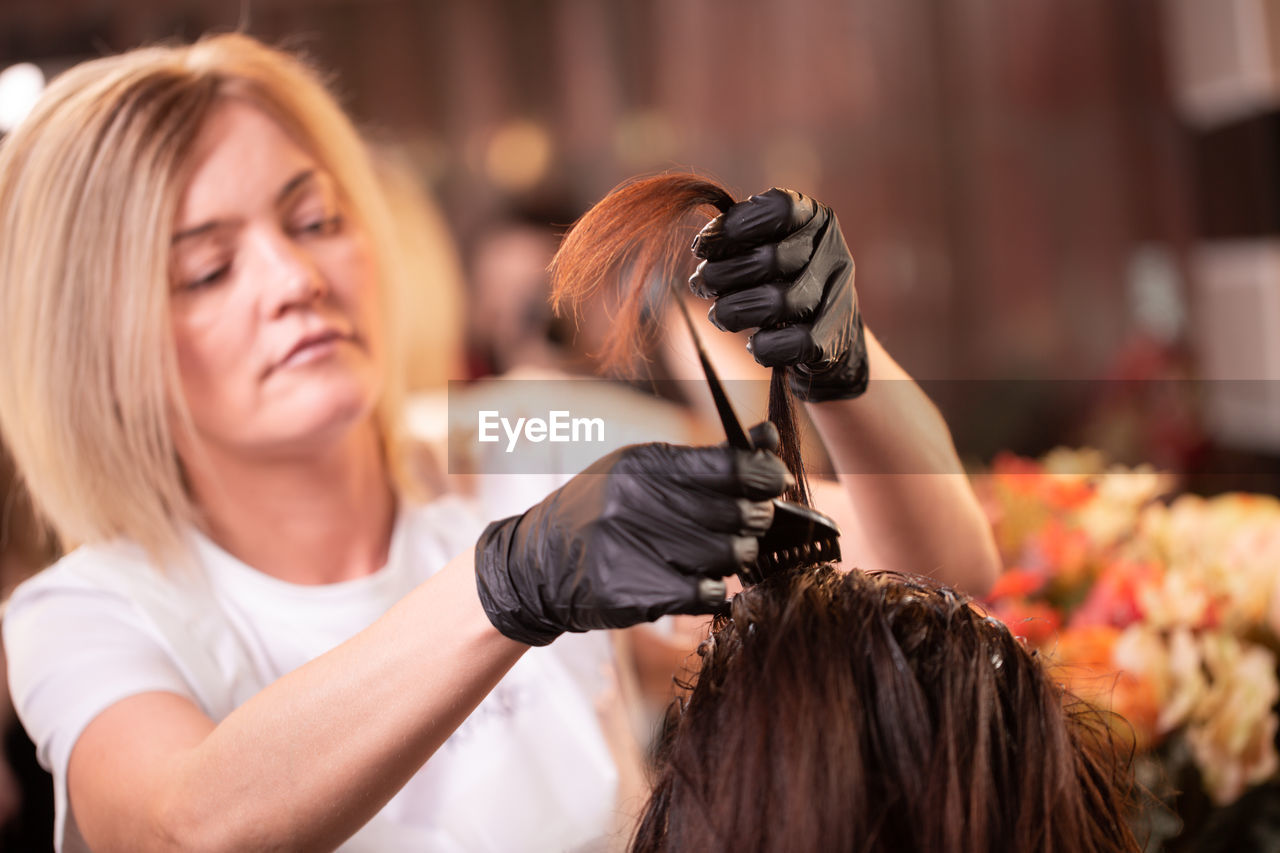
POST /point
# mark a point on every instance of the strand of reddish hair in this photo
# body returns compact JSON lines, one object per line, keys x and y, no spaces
{"x":634,"y":233}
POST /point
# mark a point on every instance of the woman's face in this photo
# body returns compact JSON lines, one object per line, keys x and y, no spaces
{"x":274,"y":303}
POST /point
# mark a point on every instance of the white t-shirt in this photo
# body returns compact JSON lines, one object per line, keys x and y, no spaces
{"x":528,"y":770}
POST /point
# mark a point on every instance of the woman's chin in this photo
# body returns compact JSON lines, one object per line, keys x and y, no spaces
{"x":317,"y":427}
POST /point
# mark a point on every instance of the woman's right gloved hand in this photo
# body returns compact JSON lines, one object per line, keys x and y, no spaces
{"x":645,"y":531}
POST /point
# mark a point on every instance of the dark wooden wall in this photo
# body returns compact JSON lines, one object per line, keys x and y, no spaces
{"x":995,"y":163}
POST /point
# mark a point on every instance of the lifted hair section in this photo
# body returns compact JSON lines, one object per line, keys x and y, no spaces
{"x":635,"y":233}
{"x":640,"y":233}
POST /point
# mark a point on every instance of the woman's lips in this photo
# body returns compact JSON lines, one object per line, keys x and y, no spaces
{"x":311,"y":348}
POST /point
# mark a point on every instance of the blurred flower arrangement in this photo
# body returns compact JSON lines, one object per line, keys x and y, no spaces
{"x":1162,"y":610}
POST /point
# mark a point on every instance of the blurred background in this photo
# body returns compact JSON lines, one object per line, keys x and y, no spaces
{"x":1065,"y":213}
{"x":1062,"y":212}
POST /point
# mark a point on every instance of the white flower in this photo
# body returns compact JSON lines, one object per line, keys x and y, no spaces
{"x":1232,"y":733}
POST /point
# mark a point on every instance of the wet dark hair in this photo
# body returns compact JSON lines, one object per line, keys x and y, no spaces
{"x":843,"y":711}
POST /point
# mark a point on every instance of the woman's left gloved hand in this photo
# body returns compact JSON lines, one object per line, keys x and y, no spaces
{"x":778,"y":262}
{"x":645,"y":531}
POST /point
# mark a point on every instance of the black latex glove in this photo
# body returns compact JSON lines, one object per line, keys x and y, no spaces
{"x":646,"y":531}
{"x":778,"y":262}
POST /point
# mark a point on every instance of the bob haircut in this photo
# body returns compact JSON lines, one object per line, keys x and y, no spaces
{"x":90,"y":183}
{"x":846,"y":711}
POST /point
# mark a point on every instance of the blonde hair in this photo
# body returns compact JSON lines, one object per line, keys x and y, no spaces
{"x":431,"y":302}
{"x":89,"y":190}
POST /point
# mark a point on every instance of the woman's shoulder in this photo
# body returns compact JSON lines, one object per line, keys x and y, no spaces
{"x":108,"y":570}
{"x":110,"y":619}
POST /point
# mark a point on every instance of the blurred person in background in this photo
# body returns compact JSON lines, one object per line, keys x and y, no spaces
{"x":510,"y":324}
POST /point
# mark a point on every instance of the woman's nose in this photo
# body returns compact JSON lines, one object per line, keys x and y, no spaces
{"x":290,"y":276}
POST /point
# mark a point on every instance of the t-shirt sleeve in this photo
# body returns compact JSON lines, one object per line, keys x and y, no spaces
{"x":73,"y":651}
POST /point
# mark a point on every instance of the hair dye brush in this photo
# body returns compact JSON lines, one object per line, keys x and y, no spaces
{"x":799,"y":535}
{"x":635,"y":228}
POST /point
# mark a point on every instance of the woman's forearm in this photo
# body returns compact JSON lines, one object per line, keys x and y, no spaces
{"x":312,"y":757}
{"x":894,"y":456}
{"x":329,"y":744}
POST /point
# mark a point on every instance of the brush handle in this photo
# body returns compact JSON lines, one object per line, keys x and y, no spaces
{"x":733,"y":430}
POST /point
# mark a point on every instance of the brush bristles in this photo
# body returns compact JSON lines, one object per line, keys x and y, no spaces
{"x":798,"y":556}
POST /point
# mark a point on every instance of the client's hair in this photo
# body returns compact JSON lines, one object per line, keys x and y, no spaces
{"x":845,"y":711}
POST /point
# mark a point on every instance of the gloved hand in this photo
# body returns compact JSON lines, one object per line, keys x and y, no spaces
{"x":778,"y":262}
{"x":645,"y":531}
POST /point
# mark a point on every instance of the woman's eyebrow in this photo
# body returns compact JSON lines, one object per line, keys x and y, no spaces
{"x":290,"y":187}
{"x":197,"y":231}
{"x":294,"y":184}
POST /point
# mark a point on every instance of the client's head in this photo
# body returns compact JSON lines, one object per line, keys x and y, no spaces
{"x":843,"y":711}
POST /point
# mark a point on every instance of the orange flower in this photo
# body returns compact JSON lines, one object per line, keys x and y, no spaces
{"x":1006,"y":463}
{"x":1066,"y":552}
{"x":1032,"y":621}
{"x":1137,"y":702}
{"x":1069,"y":493}
{"x":1016,"y":583}
{"x":1088,"y":645}
{"x":1116,"y":595}
{"x":1082,"y":660}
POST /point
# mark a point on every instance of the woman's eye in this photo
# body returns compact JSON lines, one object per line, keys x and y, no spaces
{"x":208,"y":279}
{"x":322,"y":227}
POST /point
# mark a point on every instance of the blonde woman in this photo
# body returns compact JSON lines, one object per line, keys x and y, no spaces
{"x":258,"y":638}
